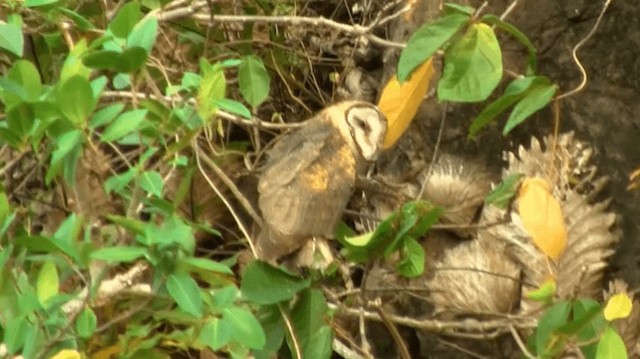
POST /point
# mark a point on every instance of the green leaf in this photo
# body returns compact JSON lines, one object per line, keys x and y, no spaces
{"x":172,"y":232}
{"x":271,"y":320}
{"x":184,"y":290}
{"x":125,"y":20}
{"x":152,"y":182}
{"x":78,"y":20}
{"x":472,"y":66}
{"x":232,"y":106}
{"x":65,"y":237}
{"x":308,"y":318}
{"x":102,"y":59}
{"x":131,"y":59}
{"x":73,"y":65}
{"x":36,"y":3}
{"x":119,"y":254}
{"x":20,"y":120}
{"x":105,"y":115}
{"x":14,"y":333}
{"x":212,"y":87}
{"x":206,"y":264}
{"x":68,"y":148}
{"x":144,"y":33}
{"x":253,"y":80}
{"x":124,"y":124}
{"x":544,"y":293}
{"x":532,"y":64}
{"x":11,"y":39}
{"x":536,"y":97}
{"x":512,"y":94}
{"x":265,"y":284}
{"x":502,"y":195}
{"x":611,"y":346}
{"x":412,"y":262}
{"x":215,"y":333}
{"x":75,"y":100}
{"x":48,"y":282}
{"x":547,"y":342}
{"x":245,"y":328}
{"x":86,"y":323}
{"x":450,"y":8}
{"x":426,"y":41}
{"x":25,"y":74}
{"x":583,"y":308}
{"x":225,"y":297}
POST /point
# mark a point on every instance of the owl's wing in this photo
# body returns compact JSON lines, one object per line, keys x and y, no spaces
{"x":293,"y":153}
{"x":304,"y":191}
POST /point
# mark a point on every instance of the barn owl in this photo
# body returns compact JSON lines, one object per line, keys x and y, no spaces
{"x":310,"y":175}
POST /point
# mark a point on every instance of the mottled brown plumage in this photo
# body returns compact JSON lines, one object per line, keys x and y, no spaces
{"x":310,"y":175}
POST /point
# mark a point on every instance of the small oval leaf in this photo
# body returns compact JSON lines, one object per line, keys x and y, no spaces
{"x":619,"y":306}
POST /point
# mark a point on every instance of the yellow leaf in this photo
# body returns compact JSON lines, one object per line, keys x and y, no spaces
{"x":618,"y":306}
{"x":542,"y":217}
{"x":66,"y":354}
{"x":400,"y":102}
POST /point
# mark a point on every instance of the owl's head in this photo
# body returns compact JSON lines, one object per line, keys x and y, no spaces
{"x":362,"y":124}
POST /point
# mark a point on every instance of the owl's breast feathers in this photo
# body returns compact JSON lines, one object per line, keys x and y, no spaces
{"x":305,"y":187}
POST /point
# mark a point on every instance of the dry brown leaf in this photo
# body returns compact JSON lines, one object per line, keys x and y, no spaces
{"x":542,"y":217}
{"x":400,"y":102}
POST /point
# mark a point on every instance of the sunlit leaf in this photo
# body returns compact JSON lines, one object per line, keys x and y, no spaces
{"x":542,"y":217}
{"x":611,"y":346}
{"x":619,"y":306}
{"x":400,"y":102}
{"x":472,"y":66}
{"x":532,"y":63}
{"x":119,"y":254}
{"x":67,"y":354}
{"x":544,"y":293}
{"x":11,"y":39}
{"x":212,"y":87}
{"x":48,"y":282}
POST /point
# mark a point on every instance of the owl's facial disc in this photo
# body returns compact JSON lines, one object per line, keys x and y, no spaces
{"x":368,"y":128}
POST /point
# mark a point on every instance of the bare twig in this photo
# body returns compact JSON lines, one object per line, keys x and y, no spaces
{"x":199,"y":156}
{"x":364,"y":31}
{"x":402,"y":347}
{"x":574,"y":53}
{"x":435,"y":150}
{"x":509,"y":9}
{"x":521,"y":345}
{"x":468,"y":328}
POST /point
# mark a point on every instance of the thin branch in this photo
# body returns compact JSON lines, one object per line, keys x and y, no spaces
{"x":199,"y":155}
{"x":509,"y":9}
{"x":364,"y":31}
{"x":434,"y":158}
{"x":469,"y":328}
{"x":574,"y":53}
{"x":523,"y":348}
